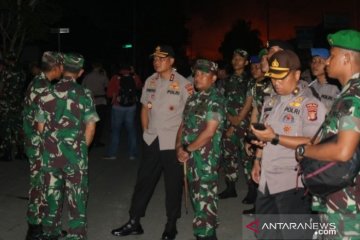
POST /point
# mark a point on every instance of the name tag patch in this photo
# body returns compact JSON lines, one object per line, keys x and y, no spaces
{"x":312,"y":111}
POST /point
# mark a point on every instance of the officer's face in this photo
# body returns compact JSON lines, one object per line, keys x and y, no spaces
{"x":256,"y":71}
{"x":203,"y":80}
{"x":335,"y":63}
{"x":286,"y":85}
{"x":238,"y":62}
{"x":318,"y":66}
{"x":162,"y":64}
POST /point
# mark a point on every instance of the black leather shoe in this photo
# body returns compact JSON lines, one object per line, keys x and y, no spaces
{"x":168,"y":235}
{"x":251,"y":194}
{"x":249,"y":211}
{"x":170,"y":231}
{"x":129,"y":228}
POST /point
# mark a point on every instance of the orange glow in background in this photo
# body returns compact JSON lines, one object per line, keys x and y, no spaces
{"x":209,"y":24}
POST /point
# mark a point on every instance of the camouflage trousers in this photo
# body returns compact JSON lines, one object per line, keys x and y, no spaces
{"x":233,"y":152}
{"x":35,"y":205}
{"x":247,"y":162}
{"x":73,"y":183}
{"x":203,"y":183}
{"x":340,"y":226}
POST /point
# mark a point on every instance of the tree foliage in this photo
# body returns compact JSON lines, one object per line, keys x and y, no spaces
{"x":240,"y":36}
{"x":25,"y":20}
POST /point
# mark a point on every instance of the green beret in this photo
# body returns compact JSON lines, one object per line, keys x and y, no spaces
{"x":73,"y":61}
{"x":348,"y":39}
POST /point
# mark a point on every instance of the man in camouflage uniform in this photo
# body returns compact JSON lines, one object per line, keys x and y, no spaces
{"x":238,"y":105}
{"x":12,"y":83}
{"x":198,"y":144}
{"x":51,"y":65}
{"x":260,"y":87}
{"x":342,"y":207}
{"x":66,"y":120}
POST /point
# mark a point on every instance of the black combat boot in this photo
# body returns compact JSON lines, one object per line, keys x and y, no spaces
{"x":34,"y":232}
{"x":251,"y":194}
{"x":132,"y":227}
{"x":230,"y":191}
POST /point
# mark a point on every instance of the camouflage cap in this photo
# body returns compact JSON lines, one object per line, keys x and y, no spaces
{"x":73,"y":61}
{"x":52,"y":57}
{"x":347,"y":39}
{"x":281,"y":63}
{"x":163,"y":51}
{"x":242,"y":53}
{"x":205,"y":65}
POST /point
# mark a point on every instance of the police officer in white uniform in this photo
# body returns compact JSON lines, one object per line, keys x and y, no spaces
{"x":163,"y":100}
{"x":291,"y":117}
{"x":327,"y":92}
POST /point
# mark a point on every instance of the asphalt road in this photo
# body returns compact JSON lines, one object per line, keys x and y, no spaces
{"x":111,"y":186}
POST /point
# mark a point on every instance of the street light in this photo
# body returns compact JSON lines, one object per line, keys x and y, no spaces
{"x":59,"y":31}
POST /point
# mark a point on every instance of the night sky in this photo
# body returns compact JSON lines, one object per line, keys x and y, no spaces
{"x":99,"y":28}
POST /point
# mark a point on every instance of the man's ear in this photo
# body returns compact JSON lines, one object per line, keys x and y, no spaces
{"x":347,"y":58}
{"x":172,"y":61}
{"x":297,"y":75}
{"x":214,"y":77}
{"x":80,"y":73}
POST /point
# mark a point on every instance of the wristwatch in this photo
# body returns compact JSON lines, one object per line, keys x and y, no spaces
{"x":300,"y":150}
{"x":185,"y":147}
{"x":276,"y":139}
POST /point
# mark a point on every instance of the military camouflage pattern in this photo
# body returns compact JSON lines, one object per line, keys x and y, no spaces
{"x":65,"y":109}
{"x":12,"y":84}
{"x":32,"y":146}
{"x":73,"y":61}
{"x":204,"y":163}
{"x":258,"y":91}
{"x":206,"y":66}
{"x":235,"y":95}
{"x":344,"y":115}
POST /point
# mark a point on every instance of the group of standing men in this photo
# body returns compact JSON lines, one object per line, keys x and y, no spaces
{"x":59,"y":125}
{"x":184,"y":130}
{"x":290,"y":109}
